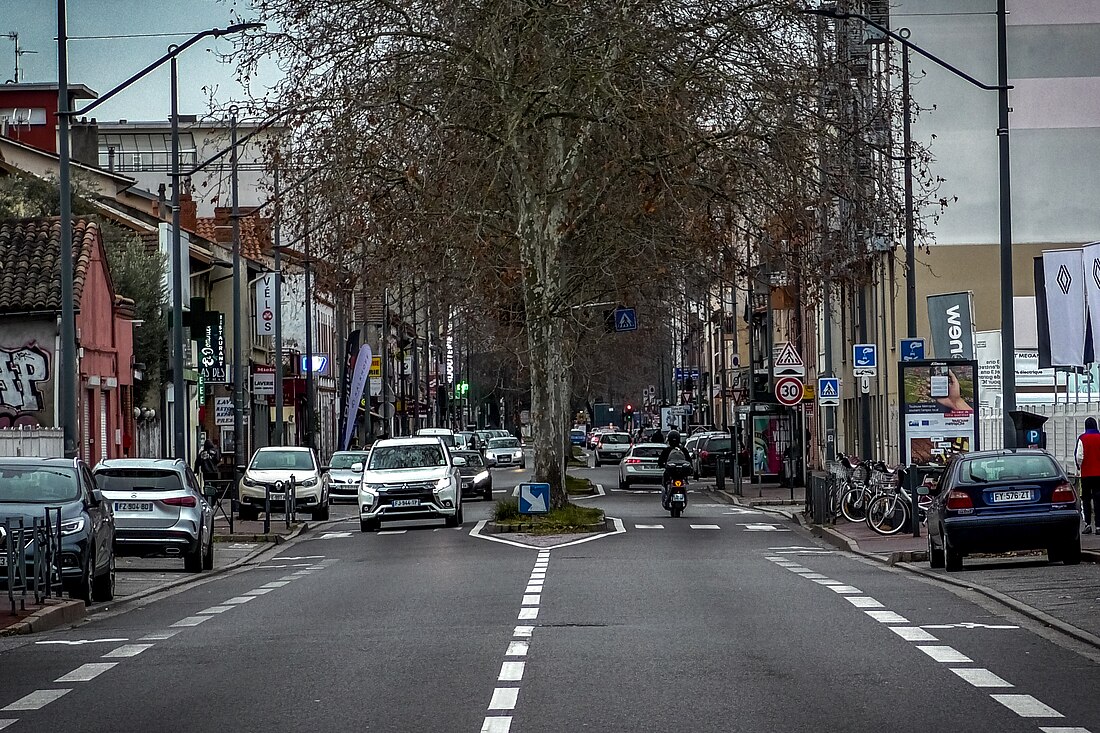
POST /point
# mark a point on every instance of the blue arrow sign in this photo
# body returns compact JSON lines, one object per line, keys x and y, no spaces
{"x":625,"y":320}
{"x":828,"y":391}
{"x":534,"y":498}
{"x":912,"y":349}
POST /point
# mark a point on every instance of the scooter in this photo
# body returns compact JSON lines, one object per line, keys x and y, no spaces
{"x":674,"y":496}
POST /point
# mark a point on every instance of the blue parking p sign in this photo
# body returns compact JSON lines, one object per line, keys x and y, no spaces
{"x":534,"y":498}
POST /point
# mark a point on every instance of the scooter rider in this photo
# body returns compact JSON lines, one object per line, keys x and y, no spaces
{"x":669,"y":451}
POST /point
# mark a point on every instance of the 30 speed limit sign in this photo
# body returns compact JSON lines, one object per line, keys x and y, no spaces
{"x":788,"y":390}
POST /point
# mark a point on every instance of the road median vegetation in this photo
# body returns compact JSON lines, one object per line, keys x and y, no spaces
{"x":568,"y":519}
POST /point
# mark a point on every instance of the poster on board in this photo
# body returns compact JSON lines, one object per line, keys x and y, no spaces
{"x":938,"y":410}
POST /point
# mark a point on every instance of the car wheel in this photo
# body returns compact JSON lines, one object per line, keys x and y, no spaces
{"x":192,"y":561}
{"x":103,"y":587}
{"x":935,"y":557}
{"x":596,"y":462}
{"x":1070,"y":554}
{"x":623,"y":484}
{"x":952,"y":558}
{"x":321,"y":513}
{"x":248,"y":513}
{"x":208,"y":556}
{"x":488,"y":495}
{"x":369,"y":525}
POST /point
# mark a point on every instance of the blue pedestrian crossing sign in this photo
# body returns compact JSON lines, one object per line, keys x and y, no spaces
{"x":828,"y":391}
{"x":534,"y":498}
{"x":912,"y":349}
{"x":625,"y":320}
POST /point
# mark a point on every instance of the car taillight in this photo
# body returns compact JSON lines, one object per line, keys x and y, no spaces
{"x":1064,"y":494}
{"x":633,"y":460}
{"x":703,"y":454}
{"x":180,"y":501}
{"x":677,"y":483}
{"x":958,"y":500}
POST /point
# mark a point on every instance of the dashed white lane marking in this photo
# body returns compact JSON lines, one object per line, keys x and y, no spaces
{"x":980,"y":677}
{"x":217,"y":609}
{"x":241,"y":599}
{"x":527,"y":614}
{"x":5,"y":723}
{"x":276,"y":584}
{"x":1054,"y":729}
{"x":887,"y":617}
{"x":511,"y":672}
{"x":36,"y":700}
{"x":649,"y":526}
{"x":334,"y":535}
{"x":944,"y":654}
{"x":1027,"y":706}
{"x":969,"y":625}
{"x":316,"y":567}
{"x":826,"y":581}
{"x":159,"y":635}
{"x":761,"y":527}
{"x":523,"y":631}
{"x":704,"y":526}
{"x":86,"y":672}
{"x":300,"y":573}
{"x":504,"y":698}
{"x":302,"y":557}
{"x":517,"y":649}
{"x":259,"y":591}
{"x":814,"y":576}
{"x":912,"y":633}
{"x":531,"y":599}
{"x":537,"y":588}
{"x":393,"y":531}
{"x":191,"y":621}
{"x":845,"y":589}
{"x":863,"y":602}
{"x":496,"y":724}
{"x":289,"y":578}
{"x":81,"y":642}
{"x":798,"y":569}
{"x":127,"y":650}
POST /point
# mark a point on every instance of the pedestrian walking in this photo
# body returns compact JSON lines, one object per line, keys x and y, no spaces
{"x":208,"y":460}
{"x":1087,"y":456}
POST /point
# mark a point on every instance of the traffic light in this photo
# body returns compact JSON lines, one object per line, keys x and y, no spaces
{"x":461,"y":390}
{"x":629,"y":409}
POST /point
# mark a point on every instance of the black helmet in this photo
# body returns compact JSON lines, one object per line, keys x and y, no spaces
{"x":673,"y":438}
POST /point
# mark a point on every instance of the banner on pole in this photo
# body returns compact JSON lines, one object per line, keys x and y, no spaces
{"x":355,"y":393}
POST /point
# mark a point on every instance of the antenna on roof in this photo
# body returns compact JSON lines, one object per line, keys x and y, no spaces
{"x":19,"y":53}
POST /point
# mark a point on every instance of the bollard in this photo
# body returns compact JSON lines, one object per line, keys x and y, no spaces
{"x":719,"y":475}
{"x":912,"y":481}
{"x":290,"y":508}
{"x":267,"y":508}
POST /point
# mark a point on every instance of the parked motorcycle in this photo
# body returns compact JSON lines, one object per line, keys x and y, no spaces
{"x":674,"y":496}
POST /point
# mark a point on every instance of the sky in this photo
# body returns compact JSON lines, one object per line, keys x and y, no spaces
{"x":103,"y":63}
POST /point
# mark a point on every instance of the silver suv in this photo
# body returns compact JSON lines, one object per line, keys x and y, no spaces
{"x":272,"y":468}
{"x":410,"y":478}
{"x":159,"y":510}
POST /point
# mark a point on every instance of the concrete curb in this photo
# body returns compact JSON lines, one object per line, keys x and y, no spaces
{"x":61,"y":613}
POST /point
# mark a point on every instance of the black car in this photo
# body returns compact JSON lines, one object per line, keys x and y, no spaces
{"x":707,"y":452}
{"x":476,"y":477}
{"x":29,"y":485}
{"x":1003,"y":501}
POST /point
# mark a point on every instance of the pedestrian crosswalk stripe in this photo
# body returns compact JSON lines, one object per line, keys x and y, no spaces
{"x":761,"y":527}
{"x":649,"y":526}
{"x":705,"y":526}
{"x":334,"y":535}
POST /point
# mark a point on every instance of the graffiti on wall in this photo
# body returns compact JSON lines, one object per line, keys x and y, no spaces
{"x":23,"y":371}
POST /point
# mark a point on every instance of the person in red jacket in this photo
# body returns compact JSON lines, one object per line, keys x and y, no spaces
{"x":1087,"y":456}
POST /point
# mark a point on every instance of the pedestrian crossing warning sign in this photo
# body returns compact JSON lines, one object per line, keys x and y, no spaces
{"x":828,"y":391}
{"x":626,"y":319}
{"x":788,"y":362}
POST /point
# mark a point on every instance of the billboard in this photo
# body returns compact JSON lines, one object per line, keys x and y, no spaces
{"x":938,"y":415}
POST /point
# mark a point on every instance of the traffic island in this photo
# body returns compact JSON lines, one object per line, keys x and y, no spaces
{"x":579,"y":488}
{"x":567,"y":520}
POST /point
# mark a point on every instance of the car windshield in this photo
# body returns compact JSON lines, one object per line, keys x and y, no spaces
{"x":137,"y":479}
{"x":715,"y":444}
{"x":38,"y":485}
{"x":504,"y":443}
{"x":472,"y":459}
{"x":616,"y":438}
{"x":347,"y":460}
{"x":282,"y":460}
{"x":654,"y":452}
{"x":1008,"y":468}
{"x":389,"y":457}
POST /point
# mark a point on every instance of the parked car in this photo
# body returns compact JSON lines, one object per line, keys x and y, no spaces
{"x":272,"y":467}
{"x":577,"y":436}
{"x":1003,"y":501}
{"x":477,"y":480}
{"x":611,"y":447}
{"x":410,"y":478}
{"x":345,"y":473}
{"x":640,"y":466}
{"x":691,"y":444}
{"x":29,"y":485}
{"x":159,"y":510}
{"x":708,"y":450}
{"x":505,"y":452}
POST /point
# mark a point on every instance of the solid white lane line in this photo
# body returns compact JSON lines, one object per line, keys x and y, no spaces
{"x":527,"y":614}
{"x":317,"y":567}
{"x":1027,"y":706}
{"x":276,"y":584}
{"x":160,"y":635}
{"x":531,"y":599}
{"x":649,"y":526}
{"x":5,"y":723}
{"x":912,"y":633}
{"x":504,"y":698}
{"x":191,"y":621}
{"x":127,"y":650}
{"x":496,"y":724}
{"x":517,"y":649}
{"x":511,"y":672}
{"x":980,"y":677}
{"x":217,"y":609}
{"x":259,"y":591}
{"x":523,"y":631}
{"x":704,"y":526}
{"x":842,"y":589}
{"x":945,"y":654}
{"x":303,"y":557}
{"x":863,"y":602}
{"x":887,"y":617}
{"x":241,"y":599}
{"x":36,"y":700}
{"x":86,"y":672}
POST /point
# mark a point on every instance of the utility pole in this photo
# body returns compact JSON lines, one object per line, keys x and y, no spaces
{"x":311,"y":396}
{"x":1008,"y":326}
{"x":239,"y":441}
{"x":68,"y":369}
{"x":278,"y":314}
{"x":179,"y":383}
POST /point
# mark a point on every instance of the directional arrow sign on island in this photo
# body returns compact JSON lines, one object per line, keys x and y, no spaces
{"x":534,"y":498}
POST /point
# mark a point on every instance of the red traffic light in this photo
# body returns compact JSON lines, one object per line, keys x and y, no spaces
{"x":630,"y":408}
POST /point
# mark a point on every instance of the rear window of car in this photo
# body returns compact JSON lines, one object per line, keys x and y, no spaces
{"x":137,"y":479}
{"x":715,"y":444}
{"x":504,"y":443}
{"x":616,"y":438}
{"x":992,"y":469}
{"x":647,"y":452}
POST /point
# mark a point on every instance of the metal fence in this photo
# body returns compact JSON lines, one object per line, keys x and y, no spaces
{"x":27,"y":441}
{"x":30,"y":552}
{"x":1065,"y":422}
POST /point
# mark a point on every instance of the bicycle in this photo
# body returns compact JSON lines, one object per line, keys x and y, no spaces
{"x":889,"y":512}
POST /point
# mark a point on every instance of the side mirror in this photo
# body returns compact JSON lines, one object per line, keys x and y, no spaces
{"x":357,"y":467}
{"x":458,"y":461}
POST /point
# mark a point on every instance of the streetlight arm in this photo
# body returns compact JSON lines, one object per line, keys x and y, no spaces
{"x":842,"y":15}
{"x":177,"y":50}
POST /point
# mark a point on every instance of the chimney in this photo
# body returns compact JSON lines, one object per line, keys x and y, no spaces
{"x":85,"y":142}
{"x":189,"y":213}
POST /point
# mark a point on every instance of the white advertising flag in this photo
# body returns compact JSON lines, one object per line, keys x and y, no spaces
{"x":1064,"y":278}
{"x":1091,"y":263}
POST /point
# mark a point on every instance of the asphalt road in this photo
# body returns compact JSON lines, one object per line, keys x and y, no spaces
{"x":723,"y":620}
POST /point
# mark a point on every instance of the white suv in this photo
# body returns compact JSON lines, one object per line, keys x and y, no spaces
{"x":410,"y":478}
{"x":273,"y":467}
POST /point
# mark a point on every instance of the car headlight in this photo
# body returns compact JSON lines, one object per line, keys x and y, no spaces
{"x":442,"y":484}
{"x":247,"y":481}
{"x":518,"y":454}
{"x":372,"y":488}
{"x":309,"y":482}
{"x":483,"y":476}
{"x":72,"y":526}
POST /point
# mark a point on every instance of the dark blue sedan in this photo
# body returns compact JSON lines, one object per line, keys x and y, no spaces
{"x":1003,"y":501}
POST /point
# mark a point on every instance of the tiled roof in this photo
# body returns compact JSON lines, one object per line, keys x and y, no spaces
{"x":255,"y":231}
{"x":30,"y":262}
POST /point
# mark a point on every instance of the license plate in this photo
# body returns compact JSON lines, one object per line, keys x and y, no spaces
{"x":406,"y":502}
{"x":133,"y":506}
{"x":677,"y":497}
{"x":278,"y":497}
{"x":1005,"y":496}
